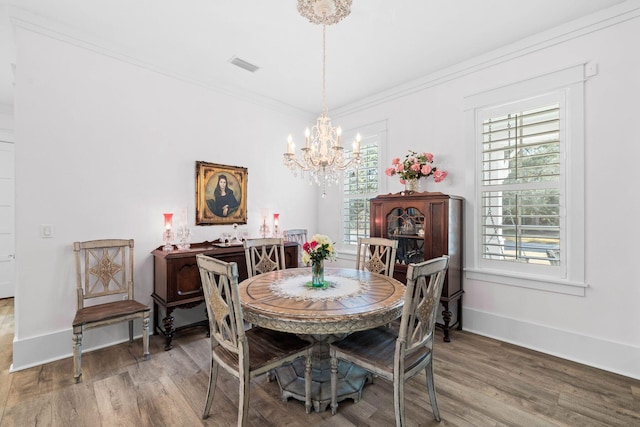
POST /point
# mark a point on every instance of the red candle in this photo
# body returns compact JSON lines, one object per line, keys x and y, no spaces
{"x":167,"y":220}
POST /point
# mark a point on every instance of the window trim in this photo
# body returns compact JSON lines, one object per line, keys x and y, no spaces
{"x":568,"y":84}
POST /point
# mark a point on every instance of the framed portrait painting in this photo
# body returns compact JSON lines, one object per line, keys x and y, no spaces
{"x":221,"y":194}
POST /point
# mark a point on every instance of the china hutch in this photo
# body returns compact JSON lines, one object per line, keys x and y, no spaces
{"x":426,"y":225}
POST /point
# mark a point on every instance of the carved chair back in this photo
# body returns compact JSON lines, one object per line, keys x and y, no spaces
{"x":264,"y":255}
{"x":377,"y":255}
{"x":298,"y":235}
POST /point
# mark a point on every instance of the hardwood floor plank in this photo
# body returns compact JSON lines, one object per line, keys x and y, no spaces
{"x":5,"y":385}
{"x":119,"y":402}
{"x":75,"y":405}
{"x":34,"y":410}
{"x":162,"y":402}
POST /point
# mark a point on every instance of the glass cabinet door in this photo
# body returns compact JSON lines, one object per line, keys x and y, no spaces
{"x":407,"y":226}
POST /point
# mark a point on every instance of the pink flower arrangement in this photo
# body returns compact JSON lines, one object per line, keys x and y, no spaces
{"x":415,"y":166}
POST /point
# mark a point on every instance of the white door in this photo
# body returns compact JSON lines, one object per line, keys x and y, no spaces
{"x":7,"y":219}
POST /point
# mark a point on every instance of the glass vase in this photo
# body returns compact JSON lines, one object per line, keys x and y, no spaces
{"x":317,"y":273}
{"x":412,"y":185}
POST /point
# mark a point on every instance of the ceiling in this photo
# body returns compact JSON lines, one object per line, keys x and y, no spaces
{"x":381,"y":45}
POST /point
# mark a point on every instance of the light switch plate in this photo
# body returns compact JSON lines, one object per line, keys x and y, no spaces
{"x":46,"y":231}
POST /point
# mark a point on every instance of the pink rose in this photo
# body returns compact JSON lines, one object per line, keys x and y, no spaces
{"x":415,"y":167}
{"x":429,"y":157}
{"x":400,"y":167}
{"x":439,"y":175}
{"x":390,"y":171}
{"x":402,"y":181}
{"x":426,"y":170}
{"x":395,"y":161}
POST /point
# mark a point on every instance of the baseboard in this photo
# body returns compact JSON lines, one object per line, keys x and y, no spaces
{"x":612,"y":356}
{"x":38,"y":350}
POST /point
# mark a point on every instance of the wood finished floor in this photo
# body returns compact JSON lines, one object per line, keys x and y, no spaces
{"x":480,"y":382}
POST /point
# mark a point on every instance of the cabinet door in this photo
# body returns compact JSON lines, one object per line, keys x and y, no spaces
{"x":184,"y":273}
{"x":406,"y":225}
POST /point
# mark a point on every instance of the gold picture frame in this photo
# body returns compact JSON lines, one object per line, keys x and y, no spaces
{"x":219,"y":202}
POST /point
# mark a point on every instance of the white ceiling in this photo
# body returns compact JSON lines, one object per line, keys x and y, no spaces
{"x":382,"y":44}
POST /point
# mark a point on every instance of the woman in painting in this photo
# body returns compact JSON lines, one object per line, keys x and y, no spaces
{"x":224,"y":201}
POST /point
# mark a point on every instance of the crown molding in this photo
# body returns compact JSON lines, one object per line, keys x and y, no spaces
{"x":563,"y":33}
{"x":24,"y":19}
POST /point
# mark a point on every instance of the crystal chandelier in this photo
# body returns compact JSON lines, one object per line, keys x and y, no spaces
{"x":323,"y":155}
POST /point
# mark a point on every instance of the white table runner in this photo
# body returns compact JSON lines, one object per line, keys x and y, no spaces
{"x":299,"y":288}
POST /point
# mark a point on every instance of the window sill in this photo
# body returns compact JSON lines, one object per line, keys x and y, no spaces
{"x":531,"y":282}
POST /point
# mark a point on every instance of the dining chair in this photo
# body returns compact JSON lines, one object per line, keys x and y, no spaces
{"x":399,"y":354}
{"x":243,"y":354}
{"x":104,"y":273}
{"x":264,"y":255}
{"x":377,"y":255}
{"x":298,"y":235}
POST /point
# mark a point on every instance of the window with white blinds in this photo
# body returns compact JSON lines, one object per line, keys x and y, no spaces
{"x":524,"y":223}
{"x":520,"y":196}
{"x":360,"y":185}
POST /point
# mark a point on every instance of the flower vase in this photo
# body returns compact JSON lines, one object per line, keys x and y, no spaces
{"x":412,"y":185}
{"x":317,"y":273}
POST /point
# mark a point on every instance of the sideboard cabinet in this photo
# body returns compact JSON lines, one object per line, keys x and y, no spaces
{"x":426,"y":225}
{"x":176,"y":281}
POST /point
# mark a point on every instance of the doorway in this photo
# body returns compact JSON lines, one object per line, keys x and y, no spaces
{"x":7,"y":220}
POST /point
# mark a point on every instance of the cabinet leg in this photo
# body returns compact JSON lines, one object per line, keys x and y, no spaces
{"x":168,"y":329}
{"x":446,"y":317}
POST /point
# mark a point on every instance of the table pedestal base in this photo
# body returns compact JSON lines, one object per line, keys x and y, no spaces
{"x":351,"y":379}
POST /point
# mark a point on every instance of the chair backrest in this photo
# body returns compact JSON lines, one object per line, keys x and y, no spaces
{"x":377,"y":255}
{"x":220,"y":287}
{"x":421,"y":300}
{"x":103,"y":268}
{"x":264,"y":255}
{"x":298,"y":235}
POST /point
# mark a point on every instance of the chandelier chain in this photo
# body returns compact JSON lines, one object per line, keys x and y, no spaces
{"x":324,"y":67}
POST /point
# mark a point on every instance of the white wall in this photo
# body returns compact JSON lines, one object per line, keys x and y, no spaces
{"x":601,"y":328}
{"x":103,"y":148}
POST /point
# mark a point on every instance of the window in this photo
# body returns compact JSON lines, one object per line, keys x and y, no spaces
{"x":526,"y":226}
{"x":520,"y":187}
{"x":362,"y":184}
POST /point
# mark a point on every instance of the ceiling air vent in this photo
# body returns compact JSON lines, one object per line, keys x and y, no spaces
{"x":244,"y":64}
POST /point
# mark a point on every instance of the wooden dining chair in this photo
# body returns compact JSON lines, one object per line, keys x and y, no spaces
{"x":298,"y":235}
{"x":264,"y":255}
{"x":399,"y":354}
{"x":243,"y":354}
{"x":377,"y":255}
{"x":104,"y":272}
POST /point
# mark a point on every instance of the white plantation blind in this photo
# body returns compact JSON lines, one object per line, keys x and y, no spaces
{"x":360,"y":185}
{"x":520,"y":186}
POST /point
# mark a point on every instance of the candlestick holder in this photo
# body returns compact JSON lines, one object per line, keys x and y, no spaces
{"x":167,"y":236}
{"x":264,"y":228}
{"x":183,"y":237}
{"x":276,"y":225}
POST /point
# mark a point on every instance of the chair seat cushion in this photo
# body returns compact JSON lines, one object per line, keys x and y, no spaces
{"x":266,"y":348}
{"x":108,"y":311}
{"x":376,"y":347}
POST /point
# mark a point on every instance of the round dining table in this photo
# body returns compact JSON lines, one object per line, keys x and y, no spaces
{"x":350,"y":300}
